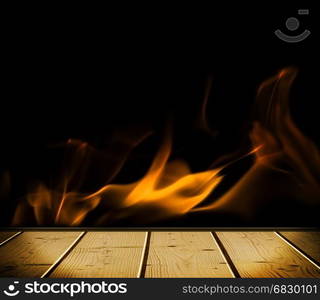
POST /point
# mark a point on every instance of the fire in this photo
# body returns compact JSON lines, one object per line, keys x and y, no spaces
{"x":281,"y":148}
{"x":170,"y":189}
{"x":281,"y":137}
{"x":169,"y":186}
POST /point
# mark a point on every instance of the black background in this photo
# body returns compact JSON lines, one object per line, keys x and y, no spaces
{"x":90,"y":78}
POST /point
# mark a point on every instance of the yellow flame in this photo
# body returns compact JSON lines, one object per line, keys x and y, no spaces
{"x":172,"y":189}
{"x":168,"y":189}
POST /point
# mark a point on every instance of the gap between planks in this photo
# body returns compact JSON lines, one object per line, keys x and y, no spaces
{"x":8,"y":236}
{"x":30,"y":254}
{"x":63,"y":255}
{"x":264,"y":254}
{"x":298,"y":250}
{"x":185,"y":254}
{"x":308,"y":242}
{"x":144,"y":256}
{"x":225,"y":254}
{"x":253,"y":241}
{"x":105,"y":254}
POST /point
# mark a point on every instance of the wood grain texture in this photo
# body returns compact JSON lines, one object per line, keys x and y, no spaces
{"x":4,"y":235}
{"x":264,"y":254}
{"x":185,"y":254}
{"x":31,"y":253}
{"x":104,"y":254}
{"x":308,"y":242}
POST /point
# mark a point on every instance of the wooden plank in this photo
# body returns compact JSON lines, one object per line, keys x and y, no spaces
{"x":264,"y":254}
{"x":185,"y":254}
{"x":31,"y":253}
{"x":4,"y":235}
{"x":104,"y":254}
{"x":308,"y":242}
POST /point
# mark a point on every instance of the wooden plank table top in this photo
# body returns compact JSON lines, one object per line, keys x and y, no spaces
{"x":5,"y":236}
{"x":264,"y":254}
{"x":105,"y":254}
{"x":185,"y":254}
{"x":30,"y":254}
{"x":307,"y":242}
{"x":189,"y":254}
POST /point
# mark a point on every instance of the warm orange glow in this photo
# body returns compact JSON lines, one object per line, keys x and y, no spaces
{"x":276,"y":141}
{"x":169,"y":186}
{"x":174,"y":190}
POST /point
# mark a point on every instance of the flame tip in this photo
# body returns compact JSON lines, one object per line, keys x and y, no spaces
{"x":171,"y":188}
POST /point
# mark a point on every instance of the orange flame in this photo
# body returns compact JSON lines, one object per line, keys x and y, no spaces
{"x":171,"y":189}
{"x":280,"y":136}
{"x":168,"y":186}
{"x":277,"y":142}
